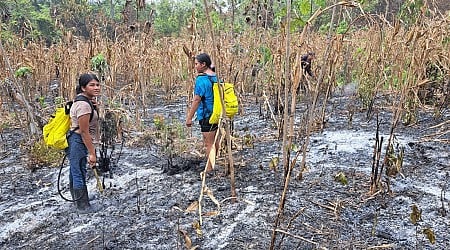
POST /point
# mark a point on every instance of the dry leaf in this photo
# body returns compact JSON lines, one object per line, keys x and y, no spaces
{"x":187,"y":239}
{"x":416,"y":214}
{"x":211,"y":213}
{"x":209,"y":193}
{"x":193,"y":207}
{"x":430,"y":235}
{"x":274,"y":162}
{"x":197,"y":228}
{"x":248,"y":140}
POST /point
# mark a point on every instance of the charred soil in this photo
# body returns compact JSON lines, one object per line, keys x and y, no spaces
{"x":149,"y":205}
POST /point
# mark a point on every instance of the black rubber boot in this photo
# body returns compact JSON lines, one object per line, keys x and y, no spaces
{"x":81,"y":199}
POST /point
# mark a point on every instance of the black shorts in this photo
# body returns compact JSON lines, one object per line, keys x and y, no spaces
{"x":206,"y":126}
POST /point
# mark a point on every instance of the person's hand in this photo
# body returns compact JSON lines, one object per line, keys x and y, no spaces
{"x":188,"y":122}
{"x":92,"y":159}
{"x":94,"y":102}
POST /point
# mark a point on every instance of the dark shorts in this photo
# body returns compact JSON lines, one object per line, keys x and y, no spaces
{"x":206,"y":126}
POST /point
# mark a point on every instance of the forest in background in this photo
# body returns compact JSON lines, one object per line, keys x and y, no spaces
{"x":49,"y":21}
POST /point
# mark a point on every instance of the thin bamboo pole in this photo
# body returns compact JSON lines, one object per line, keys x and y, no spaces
{"x":286,"y":139}
{"x":289,"y":123}
{"x":227,"y":126}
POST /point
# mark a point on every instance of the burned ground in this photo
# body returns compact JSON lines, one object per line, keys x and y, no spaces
{"x":145,"y":206}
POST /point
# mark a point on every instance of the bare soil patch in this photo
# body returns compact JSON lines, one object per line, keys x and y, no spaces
{"x":146,"y":207}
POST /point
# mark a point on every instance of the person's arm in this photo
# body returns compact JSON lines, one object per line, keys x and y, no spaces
{"x":83,"y":122}
{"x":308,"y":70}
{"x":195,"y":103}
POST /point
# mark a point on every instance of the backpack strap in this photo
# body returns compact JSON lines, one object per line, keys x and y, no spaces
{"x":79,"y":98}
{"x":85,"y":99}
{"x":204,"y":97}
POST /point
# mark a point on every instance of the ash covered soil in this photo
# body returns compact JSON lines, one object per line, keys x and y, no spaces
{"x":145,"y":206}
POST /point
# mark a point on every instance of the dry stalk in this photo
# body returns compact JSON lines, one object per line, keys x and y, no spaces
{"x":287,"y":168}
{"x":227,"y":122}
{"x":376,"y":174}
{"x":296,"y":215}
{"x":272,"y":115}
{"x":296,"y":236}
{"x":437,"y":136}
{"x":334,"y":208}
{"x":212,"y":153}
{"x":384,"y":246}
{"x":289,"y":119}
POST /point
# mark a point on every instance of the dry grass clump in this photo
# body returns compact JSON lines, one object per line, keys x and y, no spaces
{"x":40,"y":155}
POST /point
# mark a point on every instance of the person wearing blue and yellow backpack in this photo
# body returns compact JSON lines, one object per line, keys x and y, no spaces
{"x":82,"y":137}
{"x":202,"y":103}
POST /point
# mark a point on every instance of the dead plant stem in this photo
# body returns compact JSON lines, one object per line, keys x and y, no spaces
{"x":227,"y":126}
{"x":230,"y":168}
{"x":296,"y":236}
{"x":286,"y":139}
{"x":272,"y":115}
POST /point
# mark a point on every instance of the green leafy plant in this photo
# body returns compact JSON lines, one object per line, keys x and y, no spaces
{"x":59,"y":101}
{"x":171,"y":134}
{"x":171,"y":16}
{"x":266,"y":54}
{"x":23,"y":71}
{"x":41,"y":100}
{"x":446,"y":40}
{"x":410,"y":11}
{"x":158,"y":121}
{"x":395,"y":156}
{"x":342,"y":27}
{"x":366,"y":90}
{"x":274,"y":161}
{"x":341,"y":178}
{"x":410,"y":114}
{"x":99,"y":64}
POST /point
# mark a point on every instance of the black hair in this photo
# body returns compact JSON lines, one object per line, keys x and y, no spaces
{"x":84,"y":80}
{"x":204,"y":58}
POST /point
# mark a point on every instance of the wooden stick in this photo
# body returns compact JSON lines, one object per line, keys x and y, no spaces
{"x":382,"y":246}
{"x":296,"y":236}
{"x":89,"y":242}
{"x":272,"y":115}
{"x":439,"y":125}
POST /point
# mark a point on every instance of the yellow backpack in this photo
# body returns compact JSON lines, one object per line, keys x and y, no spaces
{"x":55,"y":131}
{"x":229,"y":98}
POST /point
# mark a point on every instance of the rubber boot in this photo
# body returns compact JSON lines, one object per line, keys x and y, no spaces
{"x":74,"y":198}
{"x":81,"y":199}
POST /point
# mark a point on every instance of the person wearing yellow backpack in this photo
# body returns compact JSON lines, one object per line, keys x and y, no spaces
{"x":202,"y":103}
{"x":82,"y":137}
